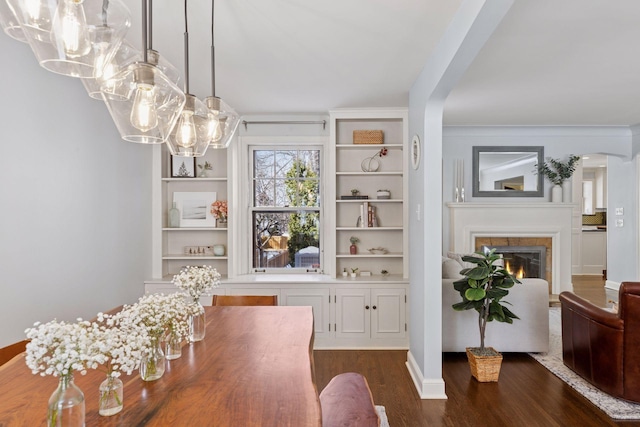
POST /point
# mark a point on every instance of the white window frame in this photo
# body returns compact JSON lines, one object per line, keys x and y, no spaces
{"x":241,"y":185}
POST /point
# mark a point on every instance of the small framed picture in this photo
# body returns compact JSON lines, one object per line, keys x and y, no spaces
{"x":183,"y":167}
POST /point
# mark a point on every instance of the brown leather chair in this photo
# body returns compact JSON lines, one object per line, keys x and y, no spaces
{"x":602,"y":346}
{"x":245,"y":300}
{"x":9,"y":352}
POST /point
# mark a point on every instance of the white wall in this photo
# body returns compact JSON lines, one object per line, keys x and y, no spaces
{"x":75,"y":201}
{"x":558,"y":142}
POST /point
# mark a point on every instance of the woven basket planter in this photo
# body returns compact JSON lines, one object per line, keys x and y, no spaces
{"x":485,"y":369}
{"x":368,"y":137}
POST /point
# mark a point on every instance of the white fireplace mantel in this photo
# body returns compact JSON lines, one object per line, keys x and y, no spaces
{"x":472,"y":220}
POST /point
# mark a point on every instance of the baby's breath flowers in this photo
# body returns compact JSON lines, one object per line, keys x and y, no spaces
{"x":197,"y":281}
{"x":58,"y":348}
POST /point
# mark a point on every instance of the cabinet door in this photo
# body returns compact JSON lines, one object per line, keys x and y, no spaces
{"x":388,"y":313}
{"x":316,"y":298}
{"x":353,"y":313}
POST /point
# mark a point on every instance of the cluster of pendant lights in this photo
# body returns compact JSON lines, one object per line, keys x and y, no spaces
{"x":85,"y":39}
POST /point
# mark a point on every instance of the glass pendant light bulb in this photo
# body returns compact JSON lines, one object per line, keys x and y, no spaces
{"x":214,"y":128}
{"x":71,"y":29}
{"x":144,"y":115}
{"x":186,"y":129}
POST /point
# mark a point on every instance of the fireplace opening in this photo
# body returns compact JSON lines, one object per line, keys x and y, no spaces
{"x":524,"y":261}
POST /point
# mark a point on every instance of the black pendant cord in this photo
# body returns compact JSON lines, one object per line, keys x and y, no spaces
{"x":144,"y":31}
{"x":186,"y":50}
{"x":103,"y":13}
{"x":213,"y":50}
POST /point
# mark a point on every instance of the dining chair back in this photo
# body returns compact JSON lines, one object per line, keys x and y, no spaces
{"x":9,"y":352}
{"x":245,"y":300}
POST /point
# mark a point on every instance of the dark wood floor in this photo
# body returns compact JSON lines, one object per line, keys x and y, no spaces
{"x":526,"y":395}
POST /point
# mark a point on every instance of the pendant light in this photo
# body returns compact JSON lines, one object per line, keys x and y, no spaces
{"x":223,"y":120}
{"x":72,"y":37}
{"x":9,"y":22}
{"x":151,"y":103}
{"x":190,"y":136}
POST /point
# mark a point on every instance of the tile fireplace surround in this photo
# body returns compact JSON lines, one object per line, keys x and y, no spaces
{"x":473,"y":223}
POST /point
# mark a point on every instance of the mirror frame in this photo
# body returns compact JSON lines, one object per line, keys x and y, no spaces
{"x":497,"y":149}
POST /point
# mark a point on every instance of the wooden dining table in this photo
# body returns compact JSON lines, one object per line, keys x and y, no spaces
{"x":254,"y":368}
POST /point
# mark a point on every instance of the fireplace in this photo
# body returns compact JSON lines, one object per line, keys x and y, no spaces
{"x":524,"y":261}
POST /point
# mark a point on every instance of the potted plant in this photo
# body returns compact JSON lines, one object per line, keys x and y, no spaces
{"x":355,"y":192}
{"x":344,"y":272}
{"x":353,"y":249}
{"x":354,"y":272}
{"x":558,"y":172}
{"x":482,"y":289}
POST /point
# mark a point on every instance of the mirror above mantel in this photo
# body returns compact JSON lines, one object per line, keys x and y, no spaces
{"x":507,"y":171}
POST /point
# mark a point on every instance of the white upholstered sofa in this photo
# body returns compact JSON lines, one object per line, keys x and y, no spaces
{"x":529,"y":301}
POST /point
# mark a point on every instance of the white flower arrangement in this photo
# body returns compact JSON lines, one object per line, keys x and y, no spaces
{"x":197,"y":281}
{"x":121,"y":341}
{"x":58,"y":348}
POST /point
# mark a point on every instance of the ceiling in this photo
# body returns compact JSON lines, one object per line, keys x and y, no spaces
{"x":573,"y":62}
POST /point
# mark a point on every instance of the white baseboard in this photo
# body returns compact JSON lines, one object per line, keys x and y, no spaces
{"x":610,"y":284}
{"x":427,"y":388}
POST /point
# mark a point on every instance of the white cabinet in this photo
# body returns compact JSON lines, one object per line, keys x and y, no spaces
{"x":349,"y":165}
{"x":594,"y":252}
{"x":365,"y":316}
{"x":319,"y":299}
{"x":171,"y":245}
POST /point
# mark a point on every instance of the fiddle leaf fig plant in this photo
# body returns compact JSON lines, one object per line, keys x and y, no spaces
{"x":483,"y":288}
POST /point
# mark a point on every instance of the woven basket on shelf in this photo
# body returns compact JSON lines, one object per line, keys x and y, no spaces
{"x":485,"y":369}
{"x":368,"y":137}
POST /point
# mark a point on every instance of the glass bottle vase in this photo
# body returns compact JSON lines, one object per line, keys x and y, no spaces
{"x":66,"y":404}
{"x":152,"y":363}
{"x":174,"y":216}
{"x":173,"y":347}
{"x":111,"y":396}
{"x":197,"y":322}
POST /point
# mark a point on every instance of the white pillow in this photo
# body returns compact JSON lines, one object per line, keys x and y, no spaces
{"x":451,"y":269}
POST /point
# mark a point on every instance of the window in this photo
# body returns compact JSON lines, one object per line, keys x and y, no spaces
{"x":285,"y":208}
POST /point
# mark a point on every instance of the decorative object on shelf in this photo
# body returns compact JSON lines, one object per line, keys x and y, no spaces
{"x":368,"y":137}
{"x":219,"y":250}
{"x":415,"y":152}
{"x":355,"y":192}
{"x":219,"y":210}
{"x":183,"y":167}
{"x":372,"y":164}
{"x":353,"y":249}
{"x":194,"y":208}
{"x":482,"y":289}
{"x":378,"y":251}
{"x":197,"y":281}
{"x":205,"y":170}
{"x":199,"y":250}
{"x":384,"y":273}
{"x":383,"y":194}
{"x":558,"y":172}
{"x":354,"y":272}
{"x":174,"y":216}
{"x":459,"y":180}
{"x":344,"y":272}
{"x":365,"y":274}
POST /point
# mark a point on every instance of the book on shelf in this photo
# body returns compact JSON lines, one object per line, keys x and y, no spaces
{"x":367,"y":216}
{"x":354,"y":197}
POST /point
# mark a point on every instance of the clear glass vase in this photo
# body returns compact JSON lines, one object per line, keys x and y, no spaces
{"x":197,"y":322}
{"x":152,"y":363}
{"x":66,"y":405}
{"x":111,"y":396}
{"x":173,"y":346}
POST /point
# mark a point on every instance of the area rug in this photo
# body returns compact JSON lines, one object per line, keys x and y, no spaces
{"x":614,"y":408}
{"x":382,"y":414}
